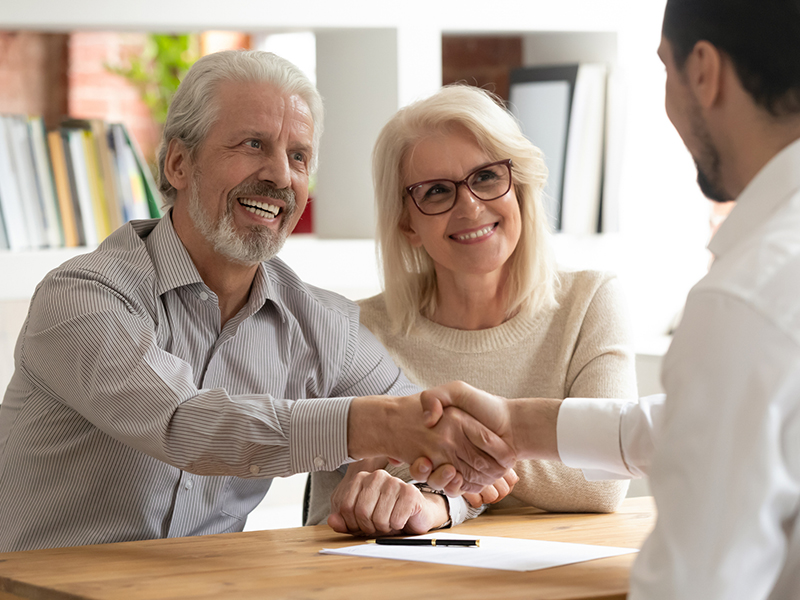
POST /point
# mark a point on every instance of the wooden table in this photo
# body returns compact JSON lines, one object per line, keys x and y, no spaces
{"x":285,"y":563}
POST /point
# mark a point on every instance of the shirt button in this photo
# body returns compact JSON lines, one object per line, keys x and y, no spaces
{"x":189,"y":484}
{"x":319,"y":462}
{"x":203,"y":296}
{"x":254,"y":469}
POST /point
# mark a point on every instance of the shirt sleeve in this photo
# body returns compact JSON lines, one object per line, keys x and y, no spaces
{"x":609,"y":439}
{"x":93,"y":346}
{"x":726,"y":459}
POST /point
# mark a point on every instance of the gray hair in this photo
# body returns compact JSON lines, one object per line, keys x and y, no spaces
{"x":409,"y":278}
{"x":194,"y":107}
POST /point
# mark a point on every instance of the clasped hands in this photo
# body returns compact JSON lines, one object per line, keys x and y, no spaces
{"x":467,"y":444}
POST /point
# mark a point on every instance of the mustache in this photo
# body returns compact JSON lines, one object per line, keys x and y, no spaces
{"x":262,"y":188}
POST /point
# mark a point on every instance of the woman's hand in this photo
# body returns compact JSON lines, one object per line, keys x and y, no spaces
{"x":492,"y":494}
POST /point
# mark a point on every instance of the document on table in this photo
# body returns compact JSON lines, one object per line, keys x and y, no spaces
{"x":508,"y":554}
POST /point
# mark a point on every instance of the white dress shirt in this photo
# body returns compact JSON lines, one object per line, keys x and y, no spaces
{"x":723,"y":448}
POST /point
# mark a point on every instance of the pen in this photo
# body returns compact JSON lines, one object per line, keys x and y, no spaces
{"x":423,"y":542}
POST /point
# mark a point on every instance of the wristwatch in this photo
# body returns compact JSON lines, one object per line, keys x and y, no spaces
{"x":425,"y":488}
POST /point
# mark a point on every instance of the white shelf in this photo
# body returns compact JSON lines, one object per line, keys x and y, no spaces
{"x":347,"y":267}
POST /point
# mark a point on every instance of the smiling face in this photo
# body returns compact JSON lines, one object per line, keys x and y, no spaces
{"x":247,"y":186}
{"x":474,"y":237}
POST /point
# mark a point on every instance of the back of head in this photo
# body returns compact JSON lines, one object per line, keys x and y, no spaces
{"x":193,"y":109}
{"x":408,"y":272}
{"x":760,"y":36}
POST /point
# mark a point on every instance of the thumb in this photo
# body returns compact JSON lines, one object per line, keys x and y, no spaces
{"x":432,"y":407}
{"x":337,"y":523}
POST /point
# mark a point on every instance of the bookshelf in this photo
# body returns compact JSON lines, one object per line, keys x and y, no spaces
{"x":371,"y":60}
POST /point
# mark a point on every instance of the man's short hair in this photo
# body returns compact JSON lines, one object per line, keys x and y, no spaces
{"x":760,"y":36}
{"x":194,"y":107}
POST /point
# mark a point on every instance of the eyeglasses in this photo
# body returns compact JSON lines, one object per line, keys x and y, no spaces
{"x":486,"y":183}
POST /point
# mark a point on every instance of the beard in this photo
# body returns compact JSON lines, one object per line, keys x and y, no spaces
{"x":257,"y":243}
{"x":707,"y":162}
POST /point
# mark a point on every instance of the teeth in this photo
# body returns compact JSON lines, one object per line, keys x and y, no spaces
{"x":261,"y":209}
{"x":476,"y":234}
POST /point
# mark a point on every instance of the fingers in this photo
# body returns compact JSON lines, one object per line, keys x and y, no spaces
{"x":443,"y":476}
{"x":373,"y":504}
{"x":474,"y":500}
{"x":421,"y":468}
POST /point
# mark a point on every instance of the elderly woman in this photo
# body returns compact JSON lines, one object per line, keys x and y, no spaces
{"x":471,"y":292}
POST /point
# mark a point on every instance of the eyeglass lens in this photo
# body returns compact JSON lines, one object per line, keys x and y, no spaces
{"x":487,"y":183}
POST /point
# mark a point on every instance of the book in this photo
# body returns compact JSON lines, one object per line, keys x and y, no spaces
{"x":583,"y":169}
{"x":61,"y":178}
{"x":150,"y":188}
{"x":30,"y":198}
{"x":562,"y":109}
{"x":132,"y":188}
{"x":44,"y":177}
{"x":16,"y":228}
{"x":80,"y":186}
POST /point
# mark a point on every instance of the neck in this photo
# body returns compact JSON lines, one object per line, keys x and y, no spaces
{"x":752,"y":143}
{"x":471,"y":302}
{"x":230,"y":281}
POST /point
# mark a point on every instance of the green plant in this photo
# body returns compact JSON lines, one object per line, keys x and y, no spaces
{"x":160,"y":68}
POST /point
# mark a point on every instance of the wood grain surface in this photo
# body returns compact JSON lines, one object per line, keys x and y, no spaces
{"x":285,"y":563}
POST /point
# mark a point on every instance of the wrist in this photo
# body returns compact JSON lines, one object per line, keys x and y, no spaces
{"x":438,"y":504}
{"x":368,"y":426}
{"x":534,"y":425}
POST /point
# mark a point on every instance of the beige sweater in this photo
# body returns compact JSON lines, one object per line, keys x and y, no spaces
{"x":580,"y":349}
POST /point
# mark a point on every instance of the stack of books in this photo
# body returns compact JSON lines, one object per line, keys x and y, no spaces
{"x":71,"y":186}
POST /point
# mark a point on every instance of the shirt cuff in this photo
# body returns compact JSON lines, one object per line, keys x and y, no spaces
{"x":318,"y":434}
{"x":588,"y":437}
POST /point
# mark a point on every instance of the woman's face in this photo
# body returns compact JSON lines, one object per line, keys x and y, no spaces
{"x":474,"y":237}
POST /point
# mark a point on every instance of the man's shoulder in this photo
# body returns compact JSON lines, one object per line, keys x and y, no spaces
{"x":122,"y":257}
{"x":763,"y":272}
{"x":296,"y":294}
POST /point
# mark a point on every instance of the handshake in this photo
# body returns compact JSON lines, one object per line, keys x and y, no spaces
{"x":454,"y":437}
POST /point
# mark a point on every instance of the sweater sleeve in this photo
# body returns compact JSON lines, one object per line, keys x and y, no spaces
{"x":602,"y":366}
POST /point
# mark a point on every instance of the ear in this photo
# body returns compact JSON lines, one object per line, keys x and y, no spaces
{"x":704,"y":71}
{"x":408,"y":230}
{"x":177,"y":166}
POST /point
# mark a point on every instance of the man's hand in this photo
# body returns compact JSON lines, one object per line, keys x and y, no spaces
{"x":528,"y":425}
{"x":376,"y":503}
{"x":394,"y":427}
{"x":492,"y":494}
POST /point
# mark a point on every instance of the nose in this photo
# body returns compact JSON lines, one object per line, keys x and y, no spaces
{"x":466,"y":201}
{"x":275,"y":170}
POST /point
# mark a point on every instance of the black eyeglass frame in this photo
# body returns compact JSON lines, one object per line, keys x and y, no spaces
{"x":508,"y":164}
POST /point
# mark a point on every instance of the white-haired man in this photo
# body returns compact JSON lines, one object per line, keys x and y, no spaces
{"x":158,"y":378}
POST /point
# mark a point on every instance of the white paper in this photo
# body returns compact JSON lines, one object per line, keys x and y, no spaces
{"x":508,"y":554}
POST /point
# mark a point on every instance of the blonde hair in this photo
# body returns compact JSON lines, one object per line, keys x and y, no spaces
{"x":409,"y":278}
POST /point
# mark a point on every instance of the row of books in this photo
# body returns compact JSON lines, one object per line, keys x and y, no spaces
{"x":71,"y":186}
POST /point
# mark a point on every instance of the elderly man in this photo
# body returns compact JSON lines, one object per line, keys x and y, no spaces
{"x":158,"y":379}
{"x":723,"y":448}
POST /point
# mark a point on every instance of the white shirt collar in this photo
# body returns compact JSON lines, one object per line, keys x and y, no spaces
{"x":767,"y":191}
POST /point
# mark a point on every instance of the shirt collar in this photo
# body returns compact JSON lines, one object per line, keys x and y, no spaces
{"x":772,"y":186}
{"x":175,"y":268}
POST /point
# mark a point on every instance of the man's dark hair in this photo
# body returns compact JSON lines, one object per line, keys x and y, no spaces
{"x":762,"y":38}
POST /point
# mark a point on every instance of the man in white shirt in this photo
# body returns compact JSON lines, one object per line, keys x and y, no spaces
{"x":722,"y":448}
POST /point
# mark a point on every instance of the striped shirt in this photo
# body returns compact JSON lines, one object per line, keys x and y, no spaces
{"x":132,"y":415}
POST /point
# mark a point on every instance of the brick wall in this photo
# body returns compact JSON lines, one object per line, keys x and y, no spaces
{"x":33,"y":74}
{"x":95,"y":92}
{"x":483,"y":61}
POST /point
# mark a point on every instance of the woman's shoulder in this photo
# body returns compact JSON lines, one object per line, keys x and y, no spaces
{"x":373,"y":312}
{"x":576,"y":285}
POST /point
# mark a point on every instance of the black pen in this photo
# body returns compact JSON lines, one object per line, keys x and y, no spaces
{"x":423,"y":542}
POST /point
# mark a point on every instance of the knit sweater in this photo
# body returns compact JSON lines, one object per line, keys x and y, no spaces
{"x":580,"y":349}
